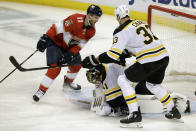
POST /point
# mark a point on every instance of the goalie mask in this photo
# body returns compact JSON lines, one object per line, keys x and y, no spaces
{"x":94,"y":76}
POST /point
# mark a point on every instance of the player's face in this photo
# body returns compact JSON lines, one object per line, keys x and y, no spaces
{"x":93,"y":19}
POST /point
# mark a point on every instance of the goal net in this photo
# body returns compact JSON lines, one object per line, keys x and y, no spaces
{"x":176,"y":27}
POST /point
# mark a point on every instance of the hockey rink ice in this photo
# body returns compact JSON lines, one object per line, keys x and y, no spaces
{"x":21,"y":26}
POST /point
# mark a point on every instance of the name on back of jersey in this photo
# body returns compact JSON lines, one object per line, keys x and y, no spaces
{"x":137,"y":23}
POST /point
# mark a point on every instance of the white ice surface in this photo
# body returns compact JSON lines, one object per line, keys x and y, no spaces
{"x":18,"y":37}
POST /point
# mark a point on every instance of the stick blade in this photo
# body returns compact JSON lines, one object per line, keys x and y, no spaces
{"x":15,"y":63}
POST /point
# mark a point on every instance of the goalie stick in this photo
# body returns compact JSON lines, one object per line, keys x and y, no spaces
{"x":80,"y":101}
{"x":20,"y":68}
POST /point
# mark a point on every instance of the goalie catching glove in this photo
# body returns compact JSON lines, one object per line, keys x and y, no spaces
{"x":89,"y":62}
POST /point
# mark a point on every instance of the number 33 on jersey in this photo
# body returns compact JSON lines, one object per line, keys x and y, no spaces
{"x":138,"y":39}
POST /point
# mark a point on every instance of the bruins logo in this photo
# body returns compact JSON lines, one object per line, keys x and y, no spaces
{"x":115,"y":40}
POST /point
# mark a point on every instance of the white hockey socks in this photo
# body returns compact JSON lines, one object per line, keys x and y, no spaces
{"x":162,"y":94}
{"x":128,"y":90}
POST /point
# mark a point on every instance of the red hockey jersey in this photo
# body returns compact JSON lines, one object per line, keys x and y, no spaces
{"x":70,"y":33}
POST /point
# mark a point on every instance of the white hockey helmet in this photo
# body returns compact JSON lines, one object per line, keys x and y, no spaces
{"x":122,"y":11}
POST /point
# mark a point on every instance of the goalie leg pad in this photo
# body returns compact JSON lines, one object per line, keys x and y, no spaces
{"x":98,"y":99}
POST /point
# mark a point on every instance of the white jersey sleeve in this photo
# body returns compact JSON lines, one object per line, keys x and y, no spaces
{"x":120,"y":41}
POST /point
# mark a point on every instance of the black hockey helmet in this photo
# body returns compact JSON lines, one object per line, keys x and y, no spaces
{"x":94,"y":9}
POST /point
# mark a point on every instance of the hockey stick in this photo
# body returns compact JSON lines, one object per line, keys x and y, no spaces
{"x":20,"y":65}
{"x":80,"y":101}
{"x":20,"y":68}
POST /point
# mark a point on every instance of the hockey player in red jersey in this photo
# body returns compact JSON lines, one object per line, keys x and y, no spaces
{"x":63,"y":42}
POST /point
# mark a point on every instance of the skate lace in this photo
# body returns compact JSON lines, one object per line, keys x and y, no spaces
{"x":39,"y":93}
{"x":170,"y":113}
{"x":129,"y":116}
{"x":73,"y":85}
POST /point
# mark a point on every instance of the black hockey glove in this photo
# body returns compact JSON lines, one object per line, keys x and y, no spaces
{"x":42,"y":44}
{"x":66,"y":57}
{"x":125,"y":54}
{"x":89,"y":62}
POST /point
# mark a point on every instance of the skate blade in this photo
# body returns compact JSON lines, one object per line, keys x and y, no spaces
{"x":132,"y":125}
{"x":178,"y":120}
{"x":71,"y":91}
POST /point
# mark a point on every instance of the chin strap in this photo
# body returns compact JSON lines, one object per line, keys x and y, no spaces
{"x":89,"y":24}
{"x":89,"y":19}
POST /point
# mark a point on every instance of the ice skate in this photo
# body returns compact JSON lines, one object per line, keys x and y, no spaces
{"x":124,"y":111}
{"x":71,"y":85}
{"x":132,"y":120}
{"x":119,"y":112}
{"x":38,"y":95}
{"x":174,"y":114}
